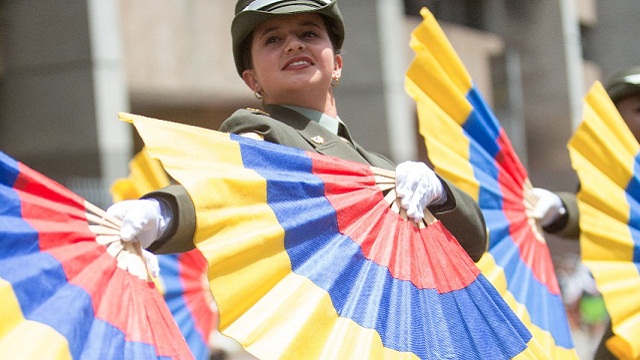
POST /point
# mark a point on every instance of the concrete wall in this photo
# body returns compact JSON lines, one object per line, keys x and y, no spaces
{"x":178,"y":62}
{"x":46,"y":92}
{"x":180,"y":52}
{"x":65,"y":74}
{"x":360,"y":95}
{"x":534,"y":29}
{"x":613,"y":42}
{"x":61,"y":88}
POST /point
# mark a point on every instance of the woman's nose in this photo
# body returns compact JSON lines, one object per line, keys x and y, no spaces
{"x":294,"y":45}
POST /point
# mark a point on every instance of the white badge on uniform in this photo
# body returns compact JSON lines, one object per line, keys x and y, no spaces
{"x":318,"y":139}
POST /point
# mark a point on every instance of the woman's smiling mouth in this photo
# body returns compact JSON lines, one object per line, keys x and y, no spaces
{"x":297,"y":63}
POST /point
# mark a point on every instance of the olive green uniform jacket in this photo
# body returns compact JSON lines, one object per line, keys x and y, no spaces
{"x":460,"y":214}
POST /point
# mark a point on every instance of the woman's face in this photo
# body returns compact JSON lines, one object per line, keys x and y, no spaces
{"x":629,"y":108}
{"x":293,"y":59}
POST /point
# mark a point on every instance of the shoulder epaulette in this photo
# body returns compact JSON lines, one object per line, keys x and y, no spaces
{"x":258,"y":111}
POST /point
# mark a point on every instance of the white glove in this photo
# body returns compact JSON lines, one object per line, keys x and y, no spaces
{"x":153,"y":265}
{"x":548,"y":207}
{"x":132,"y":262}
{"x":417,"y":187}
{"x":142,"y":220}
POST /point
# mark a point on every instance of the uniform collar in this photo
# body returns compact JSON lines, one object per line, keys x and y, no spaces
{"x":322,"y":119}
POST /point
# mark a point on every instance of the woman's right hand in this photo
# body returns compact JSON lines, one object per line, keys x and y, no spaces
{"x":142,"y":220}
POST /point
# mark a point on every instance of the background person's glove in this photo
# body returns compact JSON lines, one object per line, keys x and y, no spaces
{"x":142,"y":220}
{"x":548,"y":208}
{"x":417,"y":187}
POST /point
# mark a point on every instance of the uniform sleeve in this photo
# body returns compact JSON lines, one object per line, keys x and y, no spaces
{"x":461,"y":215}
{"x":179,"y":235}
{"x":568,"y":225}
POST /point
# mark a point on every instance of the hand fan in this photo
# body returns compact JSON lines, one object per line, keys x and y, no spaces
{"x":70,"y":287}
{"x":605,"y":155}
{"x":145,"y":175}
{"x":183,"y":277}
{"x":308,"y":260}
{"x":467,"y":145}
{"x":184,"y":286}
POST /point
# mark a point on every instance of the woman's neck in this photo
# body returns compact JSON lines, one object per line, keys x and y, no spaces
{"x":326,"y":106}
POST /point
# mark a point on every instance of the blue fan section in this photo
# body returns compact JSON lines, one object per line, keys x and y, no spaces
{"x":633,"y":198}
{"x":41,"y":287}
{"x":175,"y":297}
{"x":421,"y":321}
{"x":545,"y":309}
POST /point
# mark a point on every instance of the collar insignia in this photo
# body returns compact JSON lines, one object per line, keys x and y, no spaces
{"x":318,"y":139}
{"x":258,"y":111}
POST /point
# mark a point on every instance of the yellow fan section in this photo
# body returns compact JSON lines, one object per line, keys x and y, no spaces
{"x":603,"y":153}
{"x":146,"y":175}
{"x":27,"y":339}
{"x":439,"y":83}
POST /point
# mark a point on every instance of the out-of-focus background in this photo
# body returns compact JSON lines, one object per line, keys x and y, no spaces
{"x":68,"y":67}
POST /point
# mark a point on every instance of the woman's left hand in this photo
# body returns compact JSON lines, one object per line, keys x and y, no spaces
{"x":548,"y":207}
{"x":417,"y":187}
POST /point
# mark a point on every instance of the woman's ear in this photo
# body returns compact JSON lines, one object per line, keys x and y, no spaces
{"x":249,"y":78}
{"x":337,"y":67}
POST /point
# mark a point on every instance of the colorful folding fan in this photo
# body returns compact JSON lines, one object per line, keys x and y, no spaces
{"x":183,"y":277}
{"x":308,"y":260}
{"x":145,"y":175}
{"x":71,"y":289}
{"x":184,"y":286}
{"x":606,"y":156}
{"x":467,"y":145}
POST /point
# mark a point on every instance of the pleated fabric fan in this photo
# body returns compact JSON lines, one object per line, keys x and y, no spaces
{"x":145,"y":175}
{"x":467,"y":145}
{"x":183,"y":277}
{"x":184,"y":285}
{"x":605,"y":155}
{"x":70,"y":288}
{"x":307,"y":259}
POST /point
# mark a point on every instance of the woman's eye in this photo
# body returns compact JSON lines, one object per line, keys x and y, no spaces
{"x":310,"y":34}
{"x":271,"y":40}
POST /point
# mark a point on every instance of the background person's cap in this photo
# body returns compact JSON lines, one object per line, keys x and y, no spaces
{"x":624,"y":83}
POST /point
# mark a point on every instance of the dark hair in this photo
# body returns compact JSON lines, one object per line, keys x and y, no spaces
{"x":245,"y":46}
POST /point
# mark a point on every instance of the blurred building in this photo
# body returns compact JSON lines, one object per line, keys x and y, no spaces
{"x":67,"y":69}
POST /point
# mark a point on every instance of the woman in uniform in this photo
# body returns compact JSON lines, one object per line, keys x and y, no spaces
{"x":288,"y":54}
